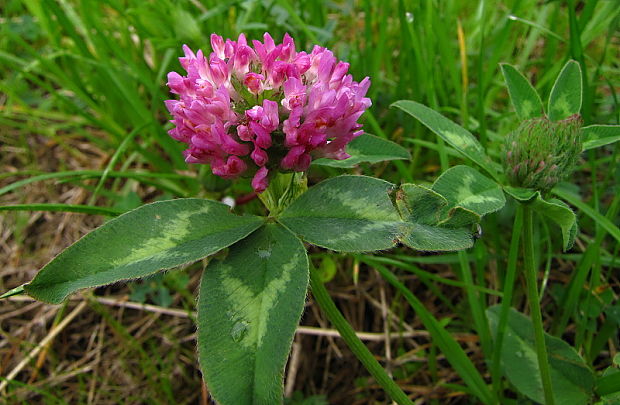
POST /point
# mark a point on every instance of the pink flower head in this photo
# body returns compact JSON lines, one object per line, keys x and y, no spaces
{"x":265,"y":107}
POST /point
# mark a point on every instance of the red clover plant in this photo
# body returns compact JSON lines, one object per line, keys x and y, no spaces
{"x":267,"y":111}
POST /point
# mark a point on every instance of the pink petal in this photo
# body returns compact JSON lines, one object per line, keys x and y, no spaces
{"x":260,"y":180}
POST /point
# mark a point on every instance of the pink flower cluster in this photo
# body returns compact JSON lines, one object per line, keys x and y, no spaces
{"x":251,"y":109}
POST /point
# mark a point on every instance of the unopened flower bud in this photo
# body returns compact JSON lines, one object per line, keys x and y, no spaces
{"x":540,"y":153}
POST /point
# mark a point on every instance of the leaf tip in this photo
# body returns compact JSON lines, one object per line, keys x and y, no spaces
{"x":12,"y":292}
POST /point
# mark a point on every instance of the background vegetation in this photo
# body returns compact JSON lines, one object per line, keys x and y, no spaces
{"x":82,"y":122}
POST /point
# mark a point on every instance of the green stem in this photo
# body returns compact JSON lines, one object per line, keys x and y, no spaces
{"x":511,"y":275}
{"x":533,"y":298}
{"x":355,"y":344}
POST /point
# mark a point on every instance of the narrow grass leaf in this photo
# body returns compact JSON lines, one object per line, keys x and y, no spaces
{"x":523,"y":96}
{"x":117,"y":154}
{"x":359,"y":349}
{"x":156,"y":236}
{"x":566,"y":94}
{"x":81,"y":209}
{"x":457,"y":136}
{"x":367,"y":148}
{"x":604,"y":222}
{"x":586,"y":262}
{"x":595,"y":136}
{"x":442,"y":338}
{"x":140,"y":176}
{"x":422,"y":274}
{"x":249,"y":306}
{"x":299,"y":21}
{"x":346,"y":213}
{"x":571,"y":378}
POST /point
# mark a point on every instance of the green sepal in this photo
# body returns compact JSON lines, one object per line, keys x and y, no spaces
{"x":572,"y":379}
{"x":249,"y":306}
{"x":367,"y":148}
{"x":156,"y":236}
{"x":346,"y":214}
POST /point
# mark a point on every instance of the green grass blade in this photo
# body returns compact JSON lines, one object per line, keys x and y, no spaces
{"x":81,"y":209}
{"x":371,"y":260}
{"x":508,"y":290}
{"x":481,"y":323}
{"x":604,"y":222}
{"x":570,"y":298}
{"x":355,"y":344}
{"x":140,"y":176}
{"x":117,"y":154}
{"x":450,"y":348}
